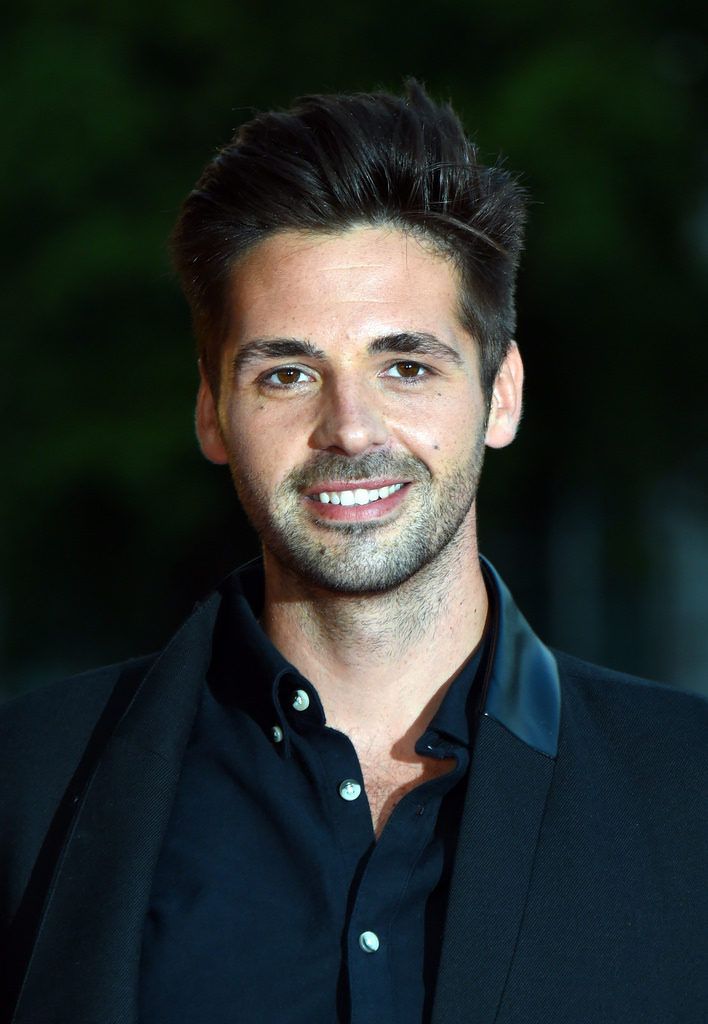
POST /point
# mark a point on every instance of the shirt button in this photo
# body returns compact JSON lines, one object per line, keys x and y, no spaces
{"x":277,"y":734}
{"x":369,"y":942}
{"x":301,"y":701}
{"x":349,"y":789}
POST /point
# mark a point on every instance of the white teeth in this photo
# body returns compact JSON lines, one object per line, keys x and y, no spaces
{"x":360,"y":496}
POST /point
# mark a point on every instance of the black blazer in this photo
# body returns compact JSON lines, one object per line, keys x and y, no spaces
{"x":579,"y":885}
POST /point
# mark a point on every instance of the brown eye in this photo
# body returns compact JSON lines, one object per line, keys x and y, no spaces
{"x":286,"y":376}
{"x":407,"y":370}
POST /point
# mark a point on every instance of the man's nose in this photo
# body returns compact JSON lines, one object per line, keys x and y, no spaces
{"x":350,"y":421}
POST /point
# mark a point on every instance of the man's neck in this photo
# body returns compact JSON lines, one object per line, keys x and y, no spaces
{"x":381,"y":663}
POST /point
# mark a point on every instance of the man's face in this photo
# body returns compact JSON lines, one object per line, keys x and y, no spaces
{"x":350,"y":410}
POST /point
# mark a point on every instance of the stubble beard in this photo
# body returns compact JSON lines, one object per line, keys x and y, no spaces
{"x":371,"y":557}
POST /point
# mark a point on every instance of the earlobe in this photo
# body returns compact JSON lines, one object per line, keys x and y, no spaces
{"x":505,"y":410}
{"x":206,"y":423}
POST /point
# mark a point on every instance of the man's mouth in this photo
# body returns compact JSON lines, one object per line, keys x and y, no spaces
{"x":357,"y":496}
{"x":362,"y":501}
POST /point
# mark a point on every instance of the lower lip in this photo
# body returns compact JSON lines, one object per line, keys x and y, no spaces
{"x":356,"y":513}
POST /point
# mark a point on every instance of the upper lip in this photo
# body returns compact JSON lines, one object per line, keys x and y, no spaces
{"x":353,"y":485}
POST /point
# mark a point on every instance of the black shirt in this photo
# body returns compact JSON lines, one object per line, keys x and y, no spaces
{"x":272,"y":901}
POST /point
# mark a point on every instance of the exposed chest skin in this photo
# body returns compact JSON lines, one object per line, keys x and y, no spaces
{"x":387,"y":781}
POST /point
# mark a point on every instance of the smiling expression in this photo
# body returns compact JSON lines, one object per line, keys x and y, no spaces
{"x":350,"y":408}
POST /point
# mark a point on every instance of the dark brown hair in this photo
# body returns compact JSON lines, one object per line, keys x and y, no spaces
{"x":332,"y":162}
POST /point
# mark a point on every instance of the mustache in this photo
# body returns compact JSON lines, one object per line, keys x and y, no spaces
{"x":325,"y":466}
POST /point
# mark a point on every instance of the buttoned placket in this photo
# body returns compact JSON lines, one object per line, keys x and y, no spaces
{"x":336,"y":767}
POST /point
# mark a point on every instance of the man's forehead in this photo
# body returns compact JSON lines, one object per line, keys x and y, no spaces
{"x":360,"y":274}
{"x":349,"y":248}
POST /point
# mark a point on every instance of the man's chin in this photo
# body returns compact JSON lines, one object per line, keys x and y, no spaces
{"x":357,"y":588}
{"x":341,"y":576}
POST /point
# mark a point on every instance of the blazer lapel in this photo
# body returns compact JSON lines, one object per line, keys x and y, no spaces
{"x":85,"y":962}
{"x":509,"y":779}
{"x":506,"y":797}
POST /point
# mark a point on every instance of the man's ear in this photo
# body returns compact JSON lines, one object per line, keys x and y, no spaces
{"x":206,"y":422}
{"x":505,"y":410}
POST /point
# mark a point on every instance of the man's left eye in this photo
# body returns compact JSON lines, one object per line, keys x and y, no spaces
{"x":407,"y":370}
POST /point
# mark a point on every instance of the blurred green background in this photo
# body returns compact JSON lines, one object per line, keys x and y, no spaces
{"x":112,"y":524}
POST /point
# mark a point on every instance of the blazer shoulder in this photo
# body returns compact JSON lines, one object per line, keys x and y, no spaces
{"x":646,"y":725}
{"x":44,"y":737}
{"x":43,"y":733}
{"x":602,"y":683}
{"x":63,"y":708}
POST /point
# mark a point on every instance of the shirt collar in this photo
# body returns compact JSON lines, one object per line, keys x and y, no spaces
{"x":247,"y":671}
{"x":461,"y":703}
{"x":511,"y":677}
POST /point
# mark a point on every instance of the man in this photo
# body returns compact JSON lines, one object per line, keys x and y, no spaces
{"x":355,"y":786}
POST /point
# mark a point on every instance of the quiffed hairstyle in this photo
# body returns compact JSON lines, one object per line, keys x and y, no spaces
{"x":333,"y":162}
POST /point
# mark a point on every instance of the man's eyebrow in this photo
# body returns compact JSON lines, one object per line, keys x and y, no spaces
{"x":275,"y":348}
{"x":415,"y":343}
{"x":401,"y":343}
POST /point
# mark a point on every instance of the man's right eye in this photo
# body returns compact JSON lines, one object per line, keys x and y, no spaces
{"x":286,"y":376}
